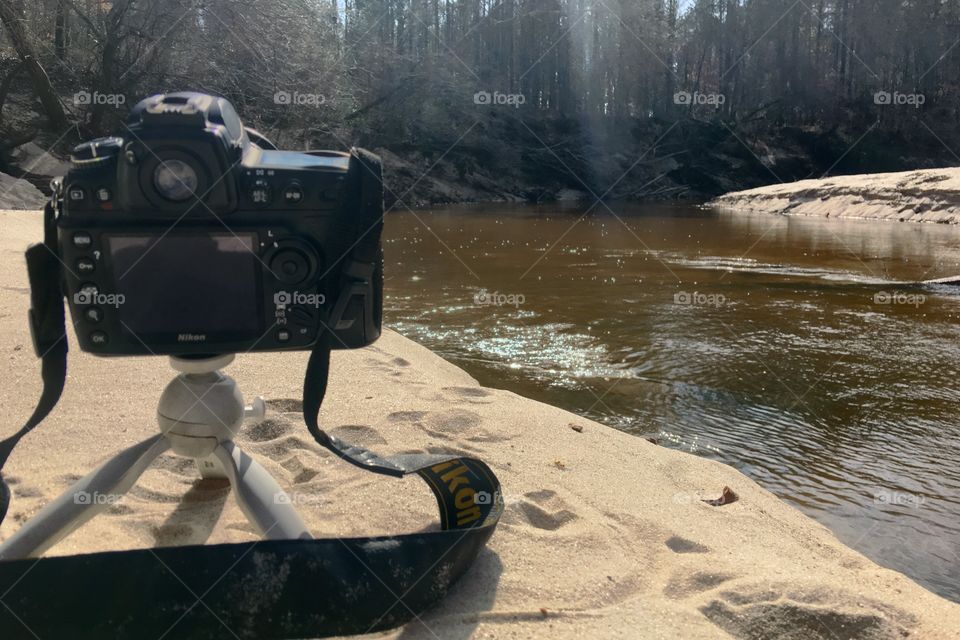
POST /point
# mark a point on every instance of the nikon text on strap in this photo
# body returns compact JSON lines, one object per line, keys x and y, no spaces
{"x":263,"y":589}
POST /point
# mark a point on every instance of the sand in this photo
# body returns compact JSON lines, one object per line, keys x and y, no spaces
{"x":604,"y":535}
{"x":931,"y":195}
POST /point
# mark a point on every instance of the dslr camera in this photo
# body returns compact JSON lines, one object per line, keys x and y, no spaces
{"x":189,"y":234}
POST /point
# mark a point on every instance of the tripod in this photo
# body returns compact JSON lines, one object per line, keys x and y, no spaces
{"x":199,"y":413}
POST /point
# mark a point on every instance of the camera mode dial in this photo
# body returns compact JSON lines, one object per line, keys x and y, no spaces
{"x":98,"y":150}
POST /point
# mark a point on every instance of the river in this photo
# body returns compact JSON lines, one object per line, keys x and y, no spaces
{"x":786,"y":347}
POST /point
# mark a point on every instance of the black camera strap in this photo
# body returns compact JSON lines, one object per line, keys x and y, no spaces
{"x":48,"y":329}
{"x":263,"y":589}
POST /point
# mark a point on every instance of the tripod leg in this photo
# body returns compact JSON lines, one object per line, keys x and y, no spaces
{"x":261,"y":499}
{"x":90,"y":495}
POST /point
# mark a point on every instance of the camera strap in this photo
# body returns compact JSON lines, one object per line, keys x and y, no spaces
{"x":48,"y":329}
{"x":262,"y":589}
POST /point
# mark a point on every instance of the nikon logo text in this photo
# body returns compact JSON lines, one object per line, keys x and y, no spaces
{"x":455,"y":476}
{"x":192,"y":337}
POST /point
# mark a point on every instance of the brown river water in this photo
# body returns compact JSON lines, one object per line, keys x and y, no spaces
{"x":789,"y":348}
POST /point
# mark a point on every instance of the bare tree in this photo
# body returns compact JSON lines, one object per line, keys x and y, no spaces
{"x":12,"y":19}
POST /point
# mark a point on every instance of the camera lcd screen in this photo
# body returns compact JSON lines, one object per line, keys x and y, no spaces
{"x":201,"y":284}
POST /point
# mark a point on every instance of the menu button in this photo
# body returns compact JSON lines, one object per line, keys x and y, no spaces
{"x":82,"y":240}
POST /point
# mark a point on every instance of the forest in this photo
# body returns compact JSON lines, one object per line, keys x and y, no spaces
{"x":514,"y":99}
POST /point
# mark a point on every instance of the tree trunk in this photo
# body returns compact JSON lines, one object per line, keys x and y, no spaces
{"x":60,"y":31}
{"x":41,"y":83}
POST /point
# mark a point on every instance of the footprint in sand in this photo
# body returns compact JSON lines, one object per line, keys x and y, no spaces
{"x":358,"y":434}
{"x":392,"y":367}
{"x":686,"y":584}
{"x":462,"y":424}
{"x":300,"y":471}
{"x":176,"y":465}
{"x":139,"y":492}
{"x":268,"y":429}
{"x":545,"y":510}
{"x":280,"y":437}
{"x":285,"y":405}
{"x":27,"y":492}
{"x":682,"y":545}
{"x":281,"y":449}
{"x":774,"y":611}
{"x":69,"y":478}
{"x":565,"y":527}
{"x":470,"y":395}
{"x":399,"y":417}
{"x":119,"y":509}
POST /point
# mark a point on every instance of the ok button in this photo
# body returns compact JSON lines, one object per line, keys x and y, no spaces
{"x":86,"y":265}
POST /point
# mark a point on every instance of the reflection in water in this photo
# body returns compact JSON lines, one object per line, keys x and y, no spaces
{"x":788,"y":348}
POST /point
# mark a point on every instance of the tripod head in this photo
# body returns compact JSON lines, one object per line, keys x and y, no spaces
{"x":202,"y":407}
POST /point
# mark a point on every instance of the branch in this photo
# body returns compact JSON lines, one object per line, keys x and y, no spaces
{"x":96,"y":32}
{"x":5,"y":87}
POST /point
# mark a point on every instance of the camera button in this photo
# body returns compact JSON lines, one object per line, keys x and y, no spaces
{"x":259,"y":193}
{"x":89,"y":289}
{"x":290,"y":266}
{"x":93,"y":314}
{"x":99,"y":338}
{"x":82,"y":240}
{"x":86,"y":265}
{"x":104,"y":195}
{"x":76,"y":194}
{"x":283,"y":335}
{"x":293,"y":194}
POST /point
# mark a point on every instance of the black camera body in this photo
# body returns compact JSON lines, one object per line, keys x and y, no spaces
{"x":191,"y":235}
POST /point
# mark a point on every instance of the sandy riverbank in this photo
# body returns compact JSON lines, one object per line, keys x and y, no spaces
{"x":604,"y":531}
{"x":914,"y":196}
